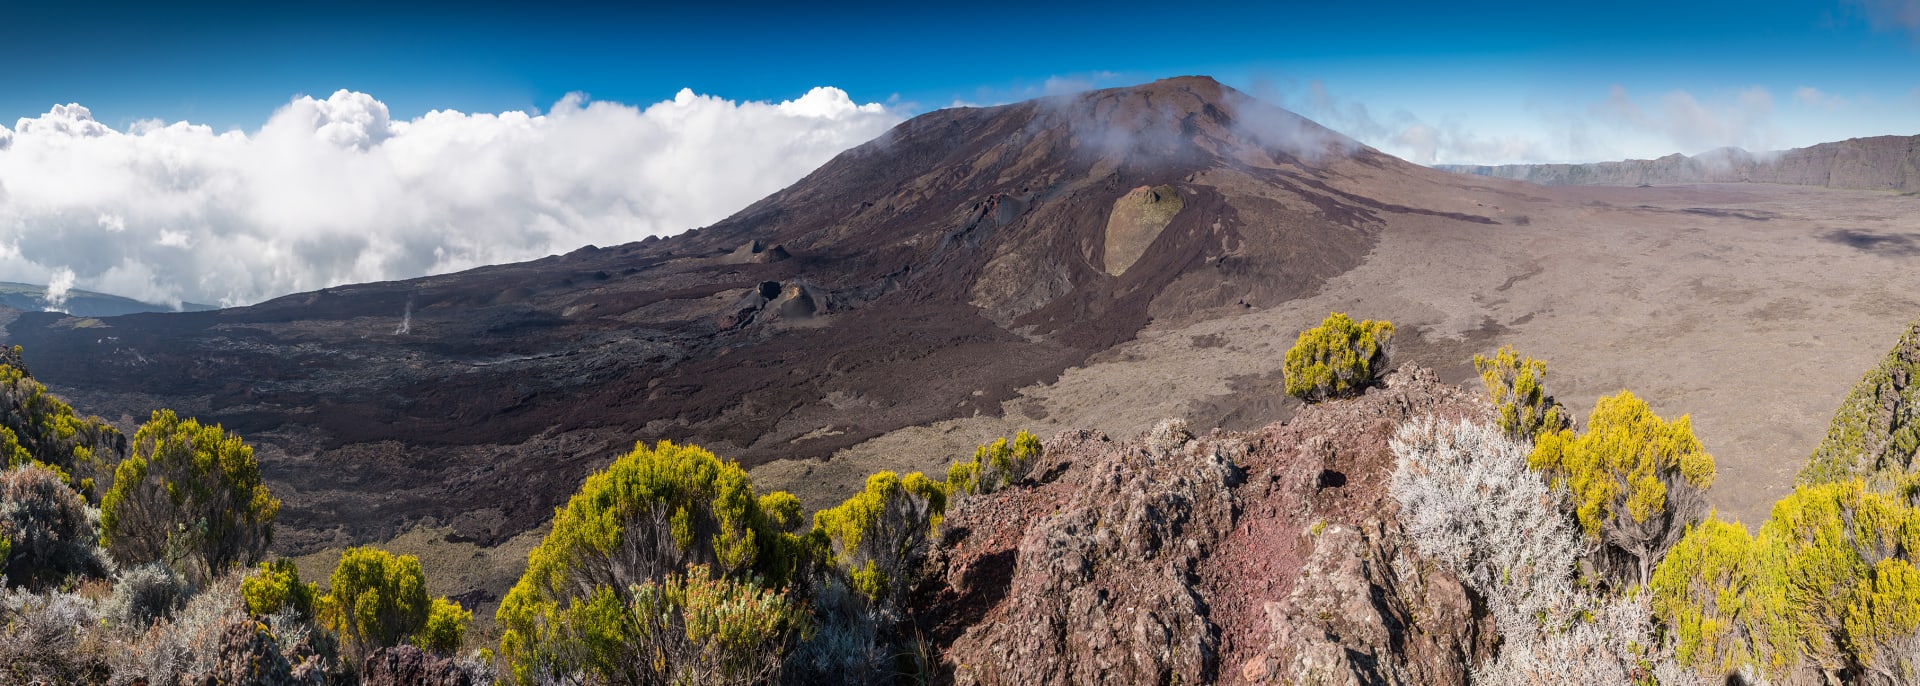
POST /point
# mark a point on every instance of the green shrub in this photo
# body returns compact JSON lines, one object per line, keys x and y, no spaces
{"x":1518,"y":388}
{"x":276,"y":587}
{"x":376,"y":599}
{"x":48,"y":533}
{"x":994,"y":466}
{"x":1834,"y":576}
{"x":1829,"y":582}
{"x":652,"y":514}
{"x":1699,"y":591}
{"x":1636,"y":481}
{"x":1337,"y":358}
{"x":35,"y":426}
{"x":702,"y":629}
{"x":446,"y":627}
{"x":879,"y":536}
{"x":189,"y":496}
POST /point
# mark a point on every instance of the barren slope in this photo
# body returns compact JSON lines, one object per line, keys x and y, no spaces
{"x":1753,"y":308}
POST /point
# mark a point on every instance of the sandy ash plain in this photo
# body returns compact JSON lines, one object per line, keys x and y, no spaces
{"x":1752,"y":308}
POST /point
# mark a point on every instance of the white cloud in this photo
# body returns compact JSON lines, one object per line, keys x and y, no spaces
{"x":1400,"y":132}
{"x":334,"y":190}
{"x":1814,"y":97}
{"x":1057,"y":84}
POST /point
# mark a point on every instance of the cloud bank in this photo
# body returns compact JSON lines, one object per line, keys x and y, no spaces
{"x":1617,"y":125}
{"x":332,"y":191}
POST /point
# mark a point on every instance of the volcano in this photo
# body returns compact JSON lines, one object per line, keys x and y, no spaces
{"x":1096,"y":260}
{"x":921,"y":276}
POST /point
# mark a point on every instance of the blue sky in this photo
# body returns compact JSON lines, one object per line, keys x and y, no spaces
{"x":316,"y":144}
{"x":1489,"y":68}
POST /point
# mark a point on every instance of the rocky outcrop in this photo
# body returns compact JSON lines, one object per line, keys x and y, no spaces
{"x":1368,"y":610}
{"x":1877,"y":163}
{"x":1876,"y":431}
{"x":1111,"y":576}
{"x":1260,"y":557}
{"x":409,"y":666}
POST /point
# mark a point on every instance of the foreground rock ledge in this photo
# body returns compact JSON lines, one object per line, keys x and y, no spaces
{"x":1265,"y":557}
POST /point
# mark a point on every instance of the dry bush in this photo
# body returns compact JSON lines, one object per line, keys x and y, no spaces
{"x":144,"y":595}
{"x":846,"y":645}
{"x":213,"y":640}
{"x":1612,"y":642}
{"x":48,"y":527}
{"x":52,"y":638}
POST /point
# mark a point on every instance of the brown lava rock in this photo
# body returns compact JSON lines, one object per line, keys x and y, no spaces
{"x":1264,"y":557}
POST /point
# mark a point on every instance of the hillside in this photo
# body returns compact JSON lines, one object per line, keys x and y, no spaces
{"x":1877,"y":163}
{"x":79,"y":303}
{"x":921,"y":277}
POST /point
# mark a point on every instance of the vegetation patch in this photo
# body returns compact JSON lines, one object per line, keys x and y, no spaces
{"x":1339,"y":357}
{"x":1635,"y":481}
{"x":1876,"y":431}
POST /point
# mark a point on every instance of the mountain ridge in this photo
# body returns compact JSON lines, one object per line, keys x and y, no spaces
{"x":1872,"y":163}
{"x":82,"y":303}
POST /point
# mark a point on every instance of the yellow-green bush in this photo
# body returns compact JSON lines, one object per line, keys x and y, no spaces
{"x":994,"y":465}
{"x":446,"y":627}
{"x":376,"y":599}
{"x":189,"y":496}
{"x":1518,"y":388}
{"x":655,"y":512}
{"x":880,"y":534}
{"x":275,"y":587}
{"x":1338,"y":357}
{"x":1636,"y":480}
{"x":35,"y":426}
{"x":1699,"y":591}
{"x":1834,"y":575}
{"x":1829,"y":582}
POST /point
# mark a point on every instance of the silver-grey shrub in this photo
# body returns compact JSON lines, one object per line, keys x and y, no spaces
{"x":144,"y":595}
{"x":1609,"y":643}
{"x":50,"y":638}
{"x":50,"y":529}
{"x":1468,"y":501}
{"x":212,"y":639}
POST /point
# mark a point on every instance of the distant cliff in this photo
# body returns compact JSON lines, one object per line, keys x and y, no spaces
{"x":1878,"y":163}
